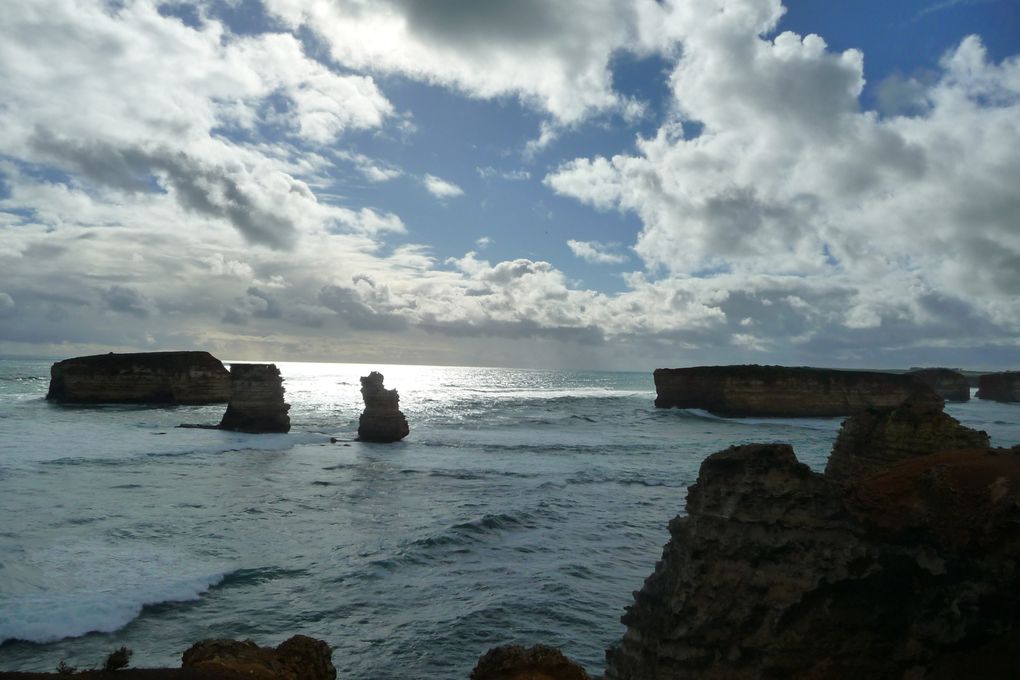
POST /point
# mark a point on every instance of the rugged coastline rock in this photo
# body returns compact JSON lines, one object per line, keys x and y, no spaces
{"x":140,"y":378}
{"x":947,"y":383}
{"x":999,"y":386}
{"x":382,"y":420}
{"x":778,"y":571}
{"x":298,"y":658}
{"x":514,"y":662}
{"x":780,"y":391}
{"x":256,"y":400}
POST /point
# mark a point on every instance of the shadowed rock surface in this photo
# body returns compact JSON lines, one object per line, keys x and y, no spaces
{"x":780,"y":391}
{"x":514,"y":662}
{"x":946,"y":382}
{"x":256,"y":400}
{"x":781,"y":572}
{"x":298,"y":658}
{"x":382,"y":420}
{"x":999,"y":386}
{"x":140,"y":378}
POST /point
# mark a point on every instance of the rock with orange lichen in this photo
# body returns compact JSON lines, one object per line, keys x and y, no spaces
{"x":298,"y":658}
{"x":514,"y":662}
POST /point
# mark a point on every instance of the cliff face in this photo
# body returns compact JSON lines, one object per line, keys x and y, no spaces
{"x":142,"y":378}
{"x":999,"y":386}
{"x":780,"y":391}
{"x":777,"y":571}
{"x":947,"y":383}
{"x":382,"y":420}
{"x":256,"y":400}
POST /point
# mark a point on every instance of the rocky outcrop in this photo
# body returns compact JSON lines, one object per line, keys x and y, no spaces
{"x":999,"y":386}
{"x":780,"y":391}
{"x":298,"y":658}
{"x":382,"y":420}
{"x":876,"y":438}
{"x":947,"y":383}
{"x":514,"y":662}
{"x":256,"y":400}
{"x":778,"y":571}
{"x":141,"y":378}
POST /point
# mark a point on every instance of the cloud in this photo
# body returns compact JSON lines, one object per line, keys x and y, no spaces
{"x":593,"y":251}
{"x":489,"y":172}
{"x":7,"y":305}
{"x":127,"y":300}
{"x":440,"y":188}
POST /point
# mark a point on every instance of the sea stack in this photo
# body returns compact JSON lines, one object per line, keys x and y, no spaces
{"x":781,"y":391}
{"x":999,"y":386}
{"x":947,"y":383}
{"x":382,"y":420}
{"x":140,"y":378}
{"x":912,"y":569}
{"x":256,"y":400}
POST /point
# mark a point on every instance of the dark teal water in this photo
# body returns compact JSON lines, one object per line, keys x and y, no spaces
{"x":524,"y":507}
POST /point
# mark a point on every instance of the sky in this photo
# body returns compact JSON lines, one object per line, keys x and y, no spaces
{"x":584,"y":184}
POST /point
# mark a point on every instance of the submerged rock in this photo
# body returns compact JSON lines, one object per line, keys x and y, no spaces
{"x":382,"y":420}
{"x":999,"y":386}
{"x":778,"y":571}
{"x":514,"y":662}
{"x":947,"y":383}
{"x":140,"y":378}
{"x":781,"y":391}
{"x":298,"y":658}
{"x":256,"y":400}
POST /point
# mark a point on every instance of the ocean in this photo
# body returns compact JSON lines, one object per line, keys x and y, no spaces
{"x":524,"y":507}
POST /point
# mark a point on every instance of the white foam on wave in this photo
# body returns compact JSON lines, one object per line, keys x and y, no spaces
{"x":820,"y":424}
{"x":68,"y":590}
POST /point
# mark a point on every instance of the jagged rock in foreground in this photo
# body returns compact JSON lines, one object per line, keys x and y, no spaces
{"x":781,"y":391}
{"x":999,"y":386}
{"x":382,"y":420}
{"x":781,"y":572}
{"x":946,"y":382}
{"x":256,"y":400}
{"x":140,"y":378}
{"x":514,"y":662}
{"x":298,"y":658}
{"x":875,"y":438}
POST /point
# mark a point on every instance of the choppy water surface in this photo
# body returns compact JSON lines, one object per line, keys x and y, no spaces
{"x":524,"y":507}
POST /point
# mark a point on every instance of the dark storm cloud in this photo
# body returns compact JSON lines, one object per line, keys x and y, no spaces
{"x":348,"y":304}
{"x":127,"y":301}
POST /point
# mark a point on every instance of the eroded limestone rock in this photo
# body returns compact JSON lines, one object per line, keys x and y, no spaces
{"x":298,"y":658}
{"x":256,"y":400}
{"x":999,"y":386}
{"x":382,"y":420}
{"x":514,"y":662}
{"x":947,"y":383}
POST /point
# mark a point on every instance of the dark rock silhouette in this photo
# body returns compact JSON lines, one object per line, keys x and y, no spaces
{"x":777,"y":571}
{"x":514,"y":662}
{"x":298,"y":658}
{"x":140,"y":378}
{"x":946,"y":382}
{"x":781,"y":391}
{"x":999,"y":386}
{"x":256,"y":400}
{"x":382,"y":420}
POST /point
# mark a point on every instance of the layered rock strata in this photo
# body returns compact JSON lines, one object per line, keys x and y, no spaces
{"x":999,"y":386}
{"x":947,"y":383}
{"x":140,"y":378}
{"x":514,"y":662}
{"x":298,"y":658}
{"x":256,"y":400}
{"x":382,"y":420}
{"x":780,"y":391}
{"x":778,"y":571}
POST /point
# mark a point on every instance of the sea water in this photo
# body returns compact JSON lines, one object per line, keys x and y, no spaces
{"x":524,"y":507}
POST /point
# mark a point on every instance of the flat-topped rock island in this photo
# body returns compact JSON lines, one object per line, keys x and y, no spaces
{"x":782,"y":391}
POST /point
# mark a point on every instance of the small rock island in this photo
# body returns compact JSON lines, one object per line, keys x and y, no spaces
{"x":382,"y":420}
{"x":949,"y":384}
{"x":1000,"y":386}
{"x":140,"y":378}
{"x":781,"y":391}
{"x":256,"y":400}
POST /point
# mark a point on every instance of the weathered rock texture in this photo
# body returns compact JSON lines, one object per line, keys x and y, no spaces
{"x":256,"y":400}
{"x":780,"y":572}
{"x":999,"y":386}
{"x":780,"y":391}
{"x":382,"y":420}
{"x":142,"y":378}
{"x":875,"y":438}
{"x":299,"y":658}
{"x":946,"y":382}
{"x":514,"y":662}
